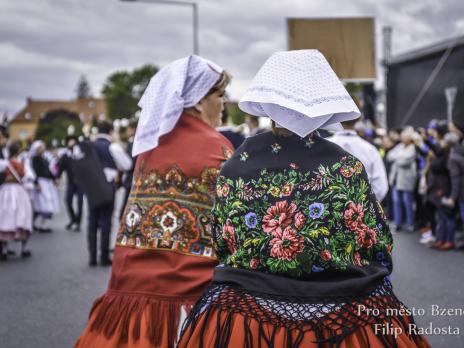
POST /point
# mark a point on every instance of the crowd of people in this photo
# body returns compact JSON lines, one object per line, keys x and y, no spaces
{"x":29,"y":180}
{"x":289,"y":206}
{"x":425,"y":170}
{"x":417,"y":174}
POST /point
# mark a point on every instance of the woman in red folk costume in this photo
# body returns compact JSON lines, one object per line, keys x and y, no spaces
{"x":163,"y":257}
{"x":303,"y":243}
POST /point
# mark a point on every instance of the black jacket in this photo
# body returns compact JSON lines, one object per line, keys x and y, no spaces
{"x":456,"y":168}
{"x":41,"y":169}
{"x":2,"y":175}
{"x":65,"y":165}
{"x":438,"y":179}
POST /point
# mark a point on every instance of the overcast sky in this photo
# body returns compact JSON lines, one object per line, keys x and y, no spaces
{"x":45,"y":45}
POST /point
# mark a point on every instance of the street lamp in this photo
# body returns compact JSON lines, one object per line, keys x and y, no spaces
{"x":180,"y":3}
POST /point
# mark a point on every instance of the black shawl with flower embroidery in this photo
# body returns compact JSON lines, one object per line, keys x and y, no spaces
{"x":298,"y":207}
{"x":303,"y":242}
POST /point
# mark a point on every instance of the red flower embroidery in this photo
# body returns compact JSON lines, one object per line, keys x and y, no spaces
{"x":366,"y":237}
{"x":278,"y":217}
{"x":326,"y":255}
{"x":286,"y":245}
{"x":347,"y":172}
{"x":254,"y":263}
{"x":353,"y":216}
{"x":287,"y":190}
{"x":294,"y":166}
{"x":299,"y":220}
{"x":357,"y":259}
{"x":168,"y":222}
{"x":228,"y":234}
{"x":225,"y":190}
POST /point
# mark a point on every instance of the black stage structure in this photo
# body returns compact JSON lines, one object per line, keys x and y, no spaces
{"x":416,"y":83}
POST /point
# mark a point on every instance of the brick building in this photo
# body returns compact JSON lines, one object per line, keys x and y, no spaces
{"x":26,"y":121}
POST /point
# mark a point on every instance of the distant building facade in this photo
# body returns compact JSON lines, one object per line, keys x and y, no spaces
{"x":24,"y":124}
{"x":417,"y":80}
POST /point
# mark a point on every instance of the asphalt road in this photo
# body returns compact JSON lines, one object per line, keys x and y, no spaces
{"x":45,"y":300}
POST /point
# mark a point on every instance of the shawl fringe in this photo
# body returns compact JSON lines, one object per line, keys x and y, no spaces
{"x":331,"y":319}
{"x":117,"y":312}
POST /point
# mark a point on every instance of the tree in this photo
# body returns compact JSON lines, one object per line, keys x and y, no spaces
{"x":83,"y":88}
{"x":123,"y":90}
{"x":55,"y":124}
{"x":236,"y":116}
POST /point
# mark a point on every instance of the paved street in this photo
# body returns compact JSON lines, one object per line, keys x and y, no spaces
{"x":45,"y":300}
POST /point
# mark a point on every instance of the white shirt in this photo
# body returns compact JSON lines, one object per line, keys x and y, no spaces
{"x":3,"y":165}
{"x":120,"y":157}
{"x":369,"y":157}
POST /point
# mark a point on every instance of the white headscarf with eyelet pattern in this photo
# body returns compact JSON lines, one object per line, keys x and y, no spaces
{"x":179,"y":85}
{"x":300,"y":92}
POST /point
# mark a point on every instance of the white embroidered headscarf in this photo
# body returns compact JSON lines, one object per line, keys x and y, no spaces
{"x":181,"y":84}
{"x":300,"y":92}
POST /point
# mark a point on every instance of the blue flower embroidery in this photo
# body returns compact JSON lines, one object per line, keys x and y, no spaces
{"x":316,"y":269}
{"x":276,"y":148}
{"x":380,"y":256}
{"x":251,"y":220}
{"x":243,"y":156}
{"x":316,"y":210}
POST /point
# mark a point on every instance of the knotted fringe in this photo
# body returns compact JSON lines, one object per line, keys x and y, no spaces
{"x":114,"y":313}
{"x":331,"y":319}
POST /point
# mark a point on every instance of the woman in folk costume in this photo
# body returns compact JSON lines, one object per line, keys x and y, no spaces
{"x":45,"y":200}
{"x":15,"y":204}
{"x":303,"y":243}
{"x":163,"y":258}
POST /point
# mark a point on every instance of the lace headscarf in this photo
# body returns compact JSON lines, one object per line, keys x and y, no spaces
{"x":300,"y":92}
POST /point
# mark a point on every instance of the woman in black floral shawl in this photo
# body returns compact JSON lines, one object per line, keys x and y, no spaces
{"x":304,"y":244}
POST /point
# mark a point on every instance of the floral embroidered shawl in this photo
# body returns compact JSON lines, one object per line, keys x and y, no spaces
{"x":296,"y":207}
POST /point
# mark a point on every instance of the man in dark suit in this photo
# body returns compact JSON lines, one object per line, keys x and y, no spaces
{"x":72,"y":190}
{"x":114,"y":160}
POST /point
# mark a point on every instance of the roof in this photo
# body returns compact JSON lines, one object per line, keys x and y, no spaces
{"x":428,"y":50}
{"x":35,"y":109}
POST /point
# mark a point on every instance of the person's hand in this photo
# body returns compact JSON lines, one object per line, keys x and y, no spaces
{"x":417,"y":138}
{"x":449,"y":202}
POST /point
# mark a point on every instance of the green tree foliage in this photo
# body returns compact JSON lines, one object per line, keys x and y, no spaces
{"x":54,"y":125}
{"x":83,"y":88}
{"x":354,"y":88}
{"x":123,"y":89}
{"x":236,"y":116}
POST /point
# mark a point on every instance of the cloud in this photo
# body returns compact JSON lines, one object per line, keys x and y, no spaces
{"x":46,"y":45}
